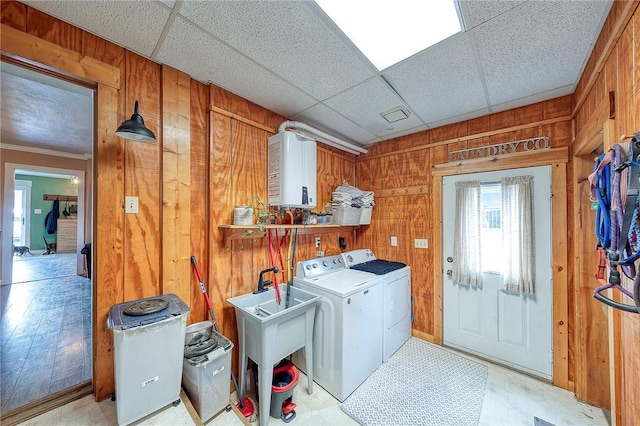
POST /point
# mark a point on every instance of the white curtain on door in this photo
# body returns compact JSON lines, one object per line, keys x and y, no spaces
{"x":517,"y":234}
{"x":466,"y":238}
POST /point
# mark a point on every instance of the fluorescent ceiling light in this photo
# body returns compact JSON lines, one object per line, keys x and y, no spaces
{"x":388,"y":31}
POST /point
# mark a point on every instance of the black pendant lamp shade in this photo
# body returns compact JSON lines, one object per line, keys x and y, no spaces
{"x":134,"y":129}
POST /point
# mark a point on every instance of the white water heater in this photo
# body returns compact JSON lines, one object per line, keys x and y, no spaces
{"x":292,"y":170}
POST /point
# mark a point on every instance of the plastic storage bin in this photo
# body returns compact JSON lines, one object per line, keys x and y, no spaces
{"x":148,"y":336}
{"x":206,"y":370}
{"x":346,"y":215}
{"x":365,"y":215}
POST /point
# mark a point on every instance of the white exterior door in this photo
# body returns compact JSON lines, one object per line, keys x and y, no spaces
{"x":21,"y":210}
{"x":511,"y":329}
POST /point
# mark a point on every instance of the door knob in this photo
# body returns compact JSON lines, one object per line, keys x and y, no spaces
{"x":449,"y":273}
{"x":450,"y":259}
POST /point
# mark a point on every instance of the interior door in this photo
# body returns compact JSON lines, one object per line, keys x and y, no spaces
{"x":21,"y":209}
{"x":511,"y":329}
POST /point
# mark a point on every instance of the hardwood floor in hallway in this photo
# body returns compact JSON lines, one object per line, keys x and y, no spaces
{"x":45,"y":329}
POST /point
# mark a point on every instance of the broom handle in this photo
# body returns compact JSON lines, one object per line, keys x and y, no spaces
{"x":204,"y":292}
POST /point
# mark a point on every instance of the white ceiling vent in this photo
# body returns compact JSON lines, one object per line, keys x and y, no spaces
{"x":396,"y":114}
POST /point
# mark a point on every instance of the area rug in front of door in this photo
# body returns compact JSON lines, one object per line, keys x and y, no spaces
{"x":421,"y":384}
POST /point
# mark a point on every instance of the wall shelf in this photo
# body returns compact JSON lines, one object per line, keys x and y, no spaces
{"x":238,"y":232}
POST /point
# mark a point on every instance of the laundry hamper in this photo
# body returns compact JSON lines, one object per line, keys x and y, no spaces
{"x":148,"y":337}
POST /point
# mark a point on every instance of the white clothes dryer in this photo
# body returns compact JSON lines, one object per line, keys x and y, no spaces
{"x":396,"y":283}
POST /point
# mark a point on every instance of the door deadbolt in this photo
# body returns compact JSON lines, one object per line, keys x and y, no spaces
{"x":450,"y":259}
{"x":449,"y":273}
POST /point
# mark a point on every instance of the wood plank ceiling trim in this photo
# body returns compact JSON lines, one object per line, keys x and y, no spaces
{"x":473,"y":136}
{"x":242,"y":119}
{"x":35,"y":51}
{"x":511,"y":161}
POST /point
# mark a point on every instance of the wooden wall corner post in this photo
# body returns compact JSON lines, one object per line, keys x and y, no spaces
{"x":436,"y":214}
{"x":176,"y":183}
{"x":108,"y":274}
{"x":613,"y":317}
{"x":560,"y":272}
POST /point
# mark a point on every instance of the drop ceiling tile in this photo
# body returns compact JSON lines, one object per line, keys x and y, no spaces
{"x":118,"y":21}
{"x":169,"y":3}
{"x":206,"y":59}
{"x":324,"y":118}
{"x":363,"y":104}
{"x":440,"y":82}
{"x":537,"y":47}
{"x":287,"y":37}
{"x":477,"y":12}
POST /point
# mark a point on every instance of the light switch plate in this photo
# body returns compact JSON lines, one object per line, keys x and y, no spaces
{"x":394,"y":241}
{"x":421,"y":243}
{"x":131,"y":205}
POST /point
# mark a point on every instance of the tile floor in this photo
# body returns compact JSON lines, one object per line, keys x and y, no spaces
{"x":510,"y":399}
{"x":45,"y":329}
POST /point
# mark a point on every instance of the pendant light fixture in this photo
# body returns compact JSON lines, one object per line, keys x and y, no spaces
{"x":134,"y":129}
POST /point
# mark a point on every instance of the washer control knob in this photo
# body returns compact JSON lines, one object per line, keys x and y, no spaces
{"x":325,"y":263}
{"x":308,"y":267}
{"x":350,"y":258}
{"x":315,"y":266}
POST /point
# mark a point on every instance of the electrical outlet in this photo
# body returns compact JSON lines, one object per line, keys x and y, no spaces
{"x":317,"y":242}
{"x":421,"y":243}
{"x":319,"y":254}
{"x":131,"y":205}
{"x":342,"y":242}
{"x":394,"y":241}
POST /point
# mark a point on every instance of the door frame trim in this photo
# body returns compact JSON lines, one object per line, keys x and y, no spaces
{"x":107,"y":177}
{"x":557,"y":158}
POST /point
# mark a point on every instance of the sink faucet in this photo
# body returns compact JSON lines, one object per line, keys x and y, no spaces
{"x":262,"y":284}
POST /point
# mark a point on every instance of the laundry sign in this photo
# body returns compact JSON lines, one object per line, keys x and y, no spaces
{"x":533,"y":144}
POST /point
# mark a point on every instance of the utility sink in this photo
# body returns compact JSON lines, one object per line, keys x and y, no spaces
{"x":265,"y":308}
{"x":269,"y":332}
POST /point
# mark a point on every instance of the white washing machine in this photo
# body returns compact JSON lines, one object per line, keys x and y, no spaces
{"x":347,"y":335}
{"x":396,"y":283}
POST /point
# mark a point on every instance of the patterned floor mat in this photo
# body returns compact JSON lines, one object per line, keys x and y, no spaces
{"x":420,"y":384}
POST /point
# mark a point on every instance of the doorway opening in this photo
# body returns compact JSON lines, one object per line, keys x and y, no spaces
{"x":46,"y":288}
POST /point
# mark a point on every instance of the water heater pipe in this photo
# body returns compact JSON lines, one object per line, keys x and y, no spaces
{"x":326,"y":138}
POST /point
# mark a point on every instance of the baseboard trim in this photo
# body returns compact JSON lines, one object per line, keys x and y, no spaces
{"x":423,"y":336}
{"x":48,"y":403}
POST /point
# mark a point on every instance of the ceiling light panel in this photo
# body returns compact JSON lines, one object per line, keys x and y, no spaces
{"x":389,"y":31}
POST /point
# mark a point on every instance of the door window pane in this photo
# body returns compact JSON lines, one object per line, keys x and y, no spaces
{"x":491,"y":233}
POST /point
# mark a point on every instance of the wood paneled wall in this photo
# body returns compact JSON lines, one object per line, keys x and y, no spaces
{"x":612,"y":69}
{"x":204,"y":164}
{"x":147,"y":254}
{"x":400,"y":172}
